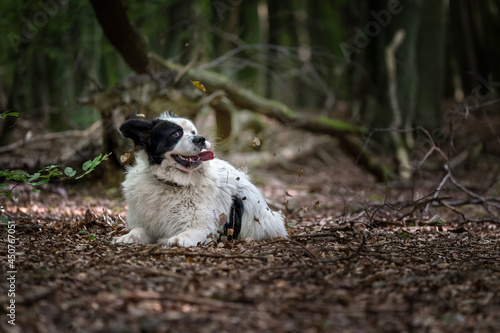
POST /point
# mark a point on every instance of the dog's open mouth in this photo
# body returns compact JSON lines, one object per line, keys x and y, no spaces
{"x":193,"y":161}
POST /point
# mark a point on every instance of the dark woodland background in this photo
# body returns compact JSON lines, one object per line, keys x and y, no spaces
{"x":307,"y":54}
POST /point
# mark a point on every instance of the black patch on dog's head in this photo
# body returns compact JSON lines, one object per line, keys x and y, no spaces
{"x":156,"y":137}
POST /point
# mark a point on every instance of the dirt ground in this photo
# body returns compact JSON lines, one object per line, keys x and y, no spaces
{"x":361,"y":257}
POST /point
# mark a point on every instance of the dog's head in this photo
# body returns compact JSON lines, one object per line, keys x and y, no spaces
{"x":169,"y":141}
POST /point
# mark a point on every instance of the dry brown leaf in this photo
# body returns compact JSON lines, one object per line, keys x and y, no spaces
{"x":124,"y":158}
{"x":222,"y":219}
{"x":300,"y":172}
{"x":256,"y":142}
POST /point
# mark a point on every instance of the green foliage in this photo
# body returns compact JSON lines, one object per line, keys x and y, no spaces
{"x":48,"y":173}
{"x":51,"y":172}
{"x":9,"y":114}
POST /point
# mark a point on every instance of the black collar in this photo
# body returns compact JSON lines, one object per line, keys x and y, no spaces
{"x":169,"y":183}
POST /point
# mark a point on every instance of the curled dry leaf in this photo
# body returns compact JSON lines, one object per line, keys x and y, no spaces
{"x":256,"y":142}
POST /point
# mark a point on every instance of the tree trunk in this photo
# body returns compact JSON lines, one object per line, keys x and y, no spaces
{"x":431,"y":67}
{"x":122,"y":34}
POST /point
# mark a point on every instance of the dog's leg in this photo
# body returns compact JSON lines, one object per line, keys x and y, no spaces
{"x":190,"y":237}
{"x":136,"y":235}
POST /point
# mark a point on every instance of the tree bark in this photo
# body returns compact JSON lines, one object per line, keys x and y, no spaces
{"x":121,"y":33}
{"x":432,"y":45}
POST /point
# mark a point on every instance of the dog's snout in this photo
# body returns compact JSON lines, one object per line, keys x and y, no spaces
{"x":199,"y":140}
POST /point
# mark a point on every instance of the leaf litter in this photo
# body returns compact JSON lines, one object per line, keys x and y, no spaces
{"x":350,"y":265}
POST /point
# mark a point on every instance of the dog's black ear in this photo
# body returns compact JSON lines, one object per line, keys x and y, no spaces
{"x":137,"y":130}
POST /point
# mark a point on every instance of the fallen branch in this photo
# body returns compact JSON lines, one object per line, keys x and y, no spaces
{"x":390,"y":59}
{"x":246,"y":99}
{"x":330,"y":234}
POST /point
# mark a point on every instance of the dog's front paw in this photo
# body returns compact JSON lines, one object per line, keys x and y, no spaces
{"x":137,"y":235}
{"x":187,"y":239}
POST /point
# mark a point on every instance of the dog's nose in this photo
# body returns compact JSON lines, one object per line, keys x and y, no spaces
{"x":199,"y":140}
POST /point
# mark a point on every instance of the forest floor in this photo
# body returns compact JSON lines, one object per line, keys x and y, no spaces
{"x":361,"y":257}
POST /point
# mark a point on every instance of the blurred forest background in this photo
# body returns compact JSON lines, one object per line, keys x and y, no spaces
{"x":374,"y":64}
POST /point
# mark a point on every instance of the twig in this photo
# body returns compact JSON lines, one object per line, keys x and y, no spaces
{"x":493,"y":221}
{"x":331,"y":234}
{"x":436,"y":193}
{"x":475,"y":202}
{"x":354,"y":255}
{"x":283,"y":240}
{"x":33,"y":226}
{"x":452,"y":209}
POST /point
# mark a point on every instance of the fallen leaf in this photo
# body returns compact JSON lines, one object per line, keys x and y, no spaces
{"x":300,"y":172}
{"x":199,"y":85}
{"x":222,"y":219}
{"x":124,"y":158}
{"x":256,"y":142}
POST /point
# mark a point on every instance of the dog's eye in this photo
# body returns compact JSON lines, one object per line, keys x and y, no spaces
{"x":176,"y":134}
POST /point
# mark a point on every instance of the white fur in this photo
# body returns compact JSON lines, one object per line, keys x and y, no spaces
{"x":189,"y":214}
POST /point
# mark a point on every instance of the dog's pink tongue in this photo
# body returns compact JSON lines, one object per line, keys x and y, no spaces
{"x":206,"y":155}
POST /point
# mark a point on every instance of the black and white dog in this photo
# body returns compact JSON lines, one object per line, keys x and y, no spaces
{"x":179,"y":194}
